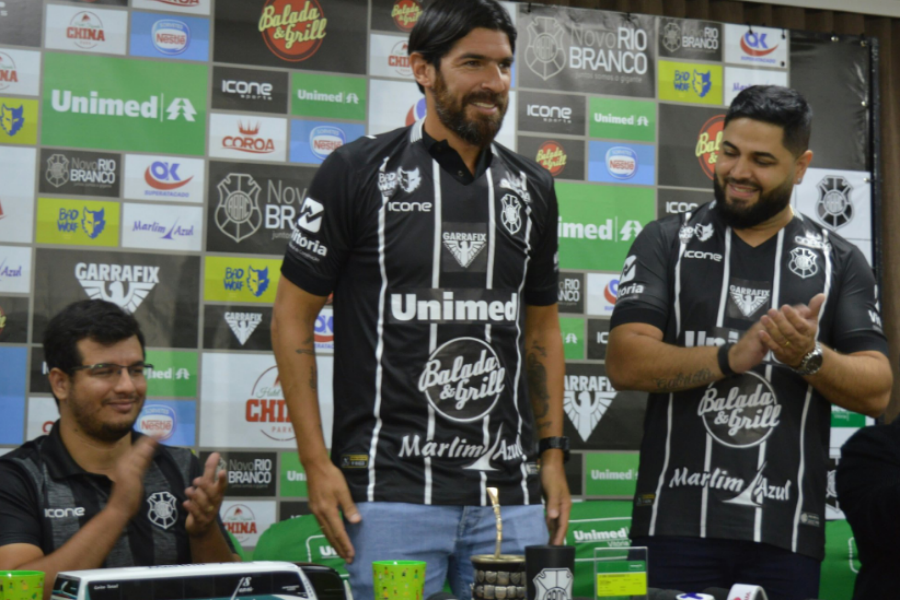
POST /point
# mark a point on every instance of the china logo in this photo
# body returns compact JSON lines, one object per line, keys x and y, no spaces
{"x":8,"y":72}
{"x":290,"y":34}
{"x":240,"y":522}
{"x":86,"y":30}
{"x":708,"y":142}
{"x":266,"y":407}
{"x":406,"y":14}
{"x":552,"y":156}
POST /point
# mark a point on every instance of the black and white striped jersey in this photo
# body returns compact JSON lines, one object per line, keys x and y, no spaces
{"x":743,"y":458}
{"x":430,"y":278}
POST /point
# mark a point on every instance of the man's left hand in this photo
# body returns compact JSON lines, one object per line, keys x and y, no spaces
{"x":205,"y":498}
{"x":558,"y":499}
{"x":790,"y":333}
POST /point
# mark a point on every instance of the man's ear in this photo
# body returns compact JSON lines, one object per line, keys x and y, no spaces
{"x":423,"y":71}
{"x":60,"y":383}
{"x":802,"y":164}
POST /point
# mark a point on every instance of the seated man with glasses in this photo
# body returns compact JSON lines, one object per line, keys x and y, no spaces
{"x":94,"y":493}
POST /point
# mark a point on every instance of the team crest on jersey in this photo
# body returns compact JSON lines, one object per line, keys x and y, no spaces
{"x":803,"y":262}
{"x":511,"y":217}
{"x":517,"y":185}
{"x":163,"y":512}
{"x":238,"y":215}
{"x":834,"y":207}
{"x":553,"y":584}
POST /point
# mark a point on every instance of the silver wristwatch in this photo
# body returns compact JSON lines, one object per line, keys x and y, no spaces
{"x":811,"y":363}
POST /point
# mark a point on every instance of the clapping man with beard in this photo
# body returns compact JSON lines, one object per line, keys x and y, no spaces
{"x":440,"y":248}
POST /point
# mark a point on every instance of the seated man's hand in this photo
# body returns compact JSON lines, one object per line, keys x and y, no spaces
{"x":205,"y":498}
{"x":127,"y":494}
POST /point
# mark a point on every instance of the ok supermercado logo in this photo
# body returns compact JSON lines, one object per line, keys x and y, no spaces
{"x":293,"y":34}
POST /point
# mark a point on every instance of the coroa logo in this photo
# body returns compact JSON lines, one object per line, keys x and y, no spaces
{"x":325,"y":139}
{"x":708,"y":142}
{"x":267,"y":407}
{"x":406,"y":14}
{"x":754,"y":44}
{"x":621,"y":162}
{"x":86,"y":30}
{"x":240,"y":522}
{"x":163,"y":176}
{"x":293,"y":35}
{"x":249,"y":140}
{"x":8,"y":72}
{"x":157,"y":420}
{"x":171,"y":36}
{"x":552,"y":156}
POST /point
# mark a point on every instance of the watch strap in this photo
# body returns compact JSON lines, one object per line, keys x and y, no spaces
{"x":560,"y":442}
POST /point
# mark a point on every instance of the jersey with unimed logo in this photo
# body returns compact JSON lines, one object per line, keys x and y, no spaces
{"x":744,"y":457}
{"x":430,"y":280}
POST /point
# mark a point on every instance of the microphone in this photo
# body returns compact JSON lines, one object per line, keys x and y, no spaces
{"x":658,"y":594}
{"x":717,"y":593}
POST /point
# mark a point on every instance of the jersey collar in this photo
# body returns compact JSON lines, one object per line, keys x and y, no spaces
{"x":449,"y":159}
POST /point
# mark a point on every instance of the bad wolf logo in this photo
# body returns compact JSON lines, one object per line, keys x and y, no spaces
{"x":11,"y":119}
{"x":257,"y":281}
{"x":93,"y":222}
{"x":702,"y":82}
{"x":163,"y":512}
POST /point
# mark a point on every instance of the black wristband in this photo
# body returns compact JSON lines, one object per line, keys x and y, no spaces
{"x":723,"y":359}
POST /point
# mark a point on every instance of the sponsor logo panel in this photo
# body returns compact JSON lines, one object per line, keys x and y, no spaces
{"x":571,"y":293}
{"x":247,"y":409}
{"x":15,"y":269}
{"x":839,"y":201}
{"x":313,"y":141}
{"x":748,"y":299}
{"x":757,"y":46}
{"x":174,"y":423}
{"x":396,"y":15}
{"x":689,"y":139}
{"x":249,"y":89}
{"x":598,"y":338}
{"x":587,"y":51}
{"x":737,"y":80}
{"x":563,"y":158}
{"x":247,"y":519}
{"x":252,"y":208}
{"x":551,"y":113}
{"x":248,"y":137}
{"x":191,"y":7}
{"x":293,"y":477}
{"x":174,"y":374}
{"x":13,"y":320}
{"x":161,"y":290}
{"x":602,"y":292}
{"x":615,"y":162}
{"x":232,"y":279}
{"x":18,"y":121}
{"x":172,"y":37}
{"x":20,"y":71}
{"x":598,"y":417}
{"x":17,"y":195}
{"x":740,"y":412}
{"x":690,"y":82}
{"x":431,"y":305}
{"x":156,"y":227}
{"x":389,"y":56}
{"x":78,"y":222}
{"x":573,"y":337}
{"x":42,"y":414}
{"x":324,"y":331}
{"x":673,"y":202}
{"x":237,"y":327}
{"x":12,"y":394}
{"x":124,"y":104}
{"x":617,"y":119}
{"x":314,"y":35}
{"x":86,"y":29}
{"x":611,"y":474}
{"x":328,"y":96}
{"x":463,"y":247}
{"x":249,"y":473}
{"x":693,"y":40}
{"x":15,"y":12}
{"x":598,"y":225}
{"x":66,"y":172}
{"x":164,"y":178}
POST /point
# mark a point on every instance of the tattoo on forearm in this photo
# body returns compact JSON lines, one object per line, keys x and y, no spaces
{"x":306,"y":351}
{"x":309,"y":342}
{"x":313,"y":378}
{"x":537,"y":388}
{"x":682,"y":381}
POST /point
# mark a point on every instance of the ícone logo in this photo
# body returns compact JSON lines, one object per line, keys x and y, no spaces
{"x":243,"y":324}
{"x":510,"y":215}
{"x":552,"y":156}
{"x":406,"y":14}
{"x":8,"y":72}
{"x":86,"y":30}
{"x":57,"y":170}
{"x":163,"y":511}
{"x":545,"y":54}
{"x":124,"y":285}
{"x":293,"y":30}
{"x":171,"y":36}
{"x":238,"y":215}
{"x":708,"y":142}
{"x":834,"y":207}
{"x":12,"y":119}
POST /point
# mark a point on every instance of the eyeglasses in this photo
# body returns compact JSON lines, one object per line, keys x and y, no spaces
{"x":111,"y":371}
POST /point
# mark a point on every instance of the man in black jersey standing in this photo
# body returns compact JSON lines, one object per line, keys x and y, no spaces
{"x":745,"y":321}
{"x":441,"y":249}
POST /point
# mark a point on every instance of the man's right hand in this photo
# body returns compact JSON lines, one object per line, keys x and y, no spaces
{"x":128,"y":478}
{"x":328,"y":497}
{"x":749,"y":351}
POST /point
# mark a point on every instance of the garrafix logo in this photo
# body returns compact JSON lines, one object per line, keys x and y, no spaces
{"x":243,"y":324}
{"x":586,"y":400}
{"x":124,"y":285}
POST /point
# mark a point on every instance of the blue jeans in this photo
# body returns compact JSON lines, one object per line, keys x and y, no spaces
{"x":443,"y":536}
{"x":694,"y":564}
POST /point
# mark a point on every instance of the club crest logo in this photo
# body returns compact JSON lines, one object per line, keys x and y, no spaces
{"x":803,"y":262}
{"x":834,"y":207}
{"x":511,"y":216}
{"x":545,"y":54}
{"x":671,"y":36}
{"x":553,"y":584}
{"x":163,"y":512}
{"x":57,"y":170}
{"x":238,"y":215}
{"x":12,"y":119}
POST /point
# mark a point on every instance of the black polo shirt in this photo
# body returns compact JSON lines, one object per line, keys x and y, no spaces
{"x":46,"y":497}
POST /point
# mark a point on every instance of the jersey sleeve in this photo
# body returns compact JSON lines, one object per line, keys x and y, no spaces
{"x":20,"y":521}
{"x":322,"y":234}
{"x":643,"y":294}
{"x":857,"y":321}
{"x":542,"y":282}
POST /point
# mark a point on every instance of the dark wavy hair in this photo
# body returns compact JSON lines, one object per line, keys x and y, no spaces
{"x":445,"y":22}
{"x":779,"y":106}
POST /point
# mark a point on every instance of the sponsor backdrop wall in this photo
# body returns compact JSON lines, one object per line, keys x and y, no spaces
{"x":155,"y":153}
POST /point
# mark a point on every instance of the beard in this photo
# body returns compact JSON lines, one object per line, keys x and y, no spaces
{"x":766,"y":206}
{"x":479,"y":131}
{"x":88,"y":422}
